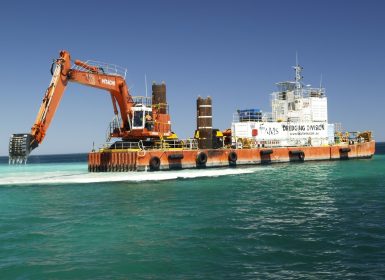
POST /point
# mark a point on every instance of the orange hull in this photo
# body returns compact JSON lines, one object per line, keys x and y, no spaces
{"x":122,"y":161}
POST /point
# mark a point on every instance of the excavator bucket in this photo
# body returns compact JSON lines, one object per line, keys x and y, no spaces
{"x":19,"y":148}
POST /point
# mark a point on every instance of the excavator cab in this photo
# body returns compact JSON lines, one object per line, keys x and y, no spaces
{"x":141,"y":117}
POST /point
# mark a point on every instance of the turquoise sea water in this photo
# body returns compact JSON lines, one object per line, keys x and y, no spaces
{"x":320,"y":220}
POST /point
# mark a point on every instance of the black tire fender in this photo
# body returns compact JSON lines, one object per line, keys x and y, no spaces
{"x":154,"y":163}
{"x":233,"y":157}
{"x":201,"y":158}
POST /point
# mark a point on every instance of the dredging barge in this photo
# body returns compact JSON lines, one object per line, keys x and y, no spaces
{"x":296,"y":130}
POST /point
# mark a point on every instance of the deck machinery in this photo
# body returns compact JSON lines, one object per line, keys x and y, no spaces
{"x":136,"y":119}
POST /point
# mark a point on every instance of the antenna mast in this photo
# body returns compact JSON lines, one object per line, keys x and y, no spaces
{"x":298,"y":76}
{"x":145,"y":83}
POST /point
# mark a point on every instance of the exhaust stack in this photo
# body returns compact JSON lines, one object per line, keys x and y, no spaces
{"x":159,"y":99}
{"x":205,"y":123}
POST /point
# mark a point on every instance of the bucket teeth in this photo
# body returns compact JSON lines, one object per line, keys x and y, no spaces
{"x":19,"y":148}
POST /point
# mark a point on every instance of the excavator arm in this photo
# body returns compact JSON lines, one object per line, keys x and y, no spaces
{"x":52,"y":97}
{"x":20,"y":145}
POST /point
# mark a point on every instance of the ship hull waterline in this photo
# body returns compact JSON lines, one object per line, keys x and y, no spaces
{"x":173,"y":159}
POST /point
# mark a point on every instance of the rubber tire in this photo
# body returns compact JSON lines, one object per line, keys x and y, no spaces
{"x":154,"y":163}
{"x":201,"y":158}
{"x":233,"y":157}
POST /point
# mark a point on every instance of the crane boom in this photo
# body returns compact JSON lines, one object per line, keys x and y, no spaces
{"x":21,"y":145}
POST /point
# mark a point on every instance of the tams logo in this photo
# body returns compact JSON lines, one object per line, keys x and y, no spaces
{"x":269,"y":130}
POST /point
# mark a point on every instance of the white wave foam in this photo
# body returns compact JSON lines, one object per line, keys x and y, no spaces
{"x":73,"y":176}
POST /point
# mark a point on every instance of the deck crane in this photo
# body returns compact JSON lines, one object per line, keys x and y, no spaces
{"x":131,"y":114}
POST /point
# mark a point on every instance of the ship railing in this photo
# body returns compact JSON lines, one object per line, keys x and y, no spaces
{"x":304,"y":92}
{"x":135,"y":145}
{"x":177,"y":144}
{"x":270,"y":143}
{"x":338,"y":127}
{"x":113,"y":127}
{"x":143,"y":100}
{"x":238,"y":118}
{"x":252,"y":143}
{"x":264,"y":117}
{"x":352,"y":137}
{"x":313,"y":92}
{"x":105,"y":68}
{"x":267,"y":117}
{"x":190,"y":144}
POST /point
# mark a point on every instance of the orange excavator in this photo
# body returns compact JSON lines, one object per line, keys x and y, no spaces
{"x":136,"y":118}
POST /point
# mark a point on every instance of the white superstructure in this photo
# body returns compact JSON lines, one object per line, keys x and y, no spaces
{"x":299,"y":117}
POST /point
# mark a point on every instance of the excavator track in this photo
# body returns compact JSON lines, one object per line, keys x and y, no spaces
{"x":19,"y":148}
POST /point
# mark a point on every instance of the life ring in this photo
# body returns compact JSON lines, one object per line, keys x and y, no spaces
{"x":201,"y":158}
{"x":154,"y":163}
{"x":233,"y":157}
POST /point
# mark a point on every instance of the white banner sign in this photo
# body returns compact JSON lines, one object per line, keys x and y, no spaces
{"x":280,"y":130}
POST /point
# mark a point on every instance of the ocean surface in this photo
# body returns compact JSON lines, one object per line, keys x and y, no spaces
{"x":319,"y":220}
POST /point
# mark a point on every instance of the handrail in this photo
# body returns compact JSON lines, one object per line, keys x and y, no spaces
{"x":185,"y":144}
{"x":105,"y":68}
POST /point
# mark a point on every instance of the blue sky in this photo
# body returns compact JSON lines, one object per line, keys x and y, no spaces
{"x":234,"y":51}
